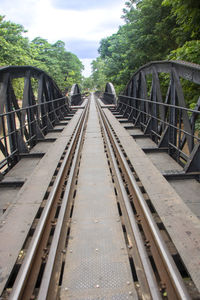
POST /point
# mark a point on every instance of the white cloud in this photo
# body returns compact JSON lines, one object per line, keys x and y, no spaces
{"x":43,"y":19}
{"x":19,"y":11}
{"x":71,"y":24}
{"x":88,"y":68}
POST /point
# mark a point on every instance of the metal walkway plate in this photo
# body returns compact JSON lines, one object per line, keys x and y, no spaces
{"x":97,"y":265}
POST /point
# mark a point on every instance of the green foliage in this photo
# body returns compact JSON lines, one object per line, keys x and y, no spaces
{"x":98,"y":75}
{"x":153,"y":30}
{"x":187,"y":13}
{"x":14,"y":48}
{"x":64,"y":67}
{"x":146,"y":36}
{"x":190,"y":51}
{"x":87,"y":84}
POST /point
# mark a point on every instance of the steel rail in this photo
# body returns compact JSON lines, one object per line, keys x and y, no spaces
{"x":18,"y":288}
{"x":152,"y":284}
{"x":172,"y":272}
{"x":44,"y":287}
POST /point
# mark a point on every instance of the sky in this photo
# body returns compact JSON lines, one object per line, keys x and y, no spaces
{"x":81,"y":24}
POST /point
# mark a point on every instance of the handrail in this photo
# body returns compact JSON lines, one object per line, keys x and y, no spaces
{"x":167,"y":120}
{"x":23,"y":123}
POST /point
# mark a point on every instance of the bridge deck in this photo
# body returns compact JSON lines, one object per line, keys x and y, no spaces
{"x":23,"y":203}
{"x":181,"y":223}
{"x":188,"y":189}
{"x":97,"y":262}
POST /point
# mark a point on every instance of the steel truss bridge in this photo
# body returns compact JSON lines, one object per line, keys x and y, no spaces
{"x":99,"y":195}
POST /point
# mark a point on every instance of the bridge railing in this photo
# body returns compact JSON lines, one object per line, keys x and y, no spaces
{"x":109,"y":96}
{"x":170,"y":122}
{"x":24,"y":123}
{"x":75,"y":95}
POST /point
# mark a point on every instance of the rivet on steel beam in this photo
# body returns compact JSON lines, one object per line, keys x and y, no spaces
{"x":130,"y":293}
{"x":147,"y":244}
{"x":163,"y":285}
{"x":53,"y":223}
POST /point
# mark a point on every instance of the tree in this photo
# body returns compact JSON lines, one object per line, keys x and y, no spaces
{"x":145,"y":36}
{"x":87,"y":84}
{"x":98,"y":73}
{"x":187,"y":14}
{"x":63,"y":66}
{"x":153,"y":30}
{"x":15,"y":49}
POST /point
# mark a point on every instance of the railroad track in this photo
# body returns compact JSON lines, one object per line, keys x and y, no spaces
{"x":143,"y":234}
{"x":38,"y":272}
{"x":44,"y":239}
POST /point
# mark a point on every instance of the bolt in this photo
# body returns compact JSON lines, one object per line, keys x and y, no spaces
{"x":53,"y":223}
{"x":64,"y":251}
{"x":130,"y":293}
{"x":70,"y":251}
{"x":66,"y":289}
{"x":147,"y":244}
{"x":97,"y":286}
{"x":163,"y":285}
{"x":128,"y":282}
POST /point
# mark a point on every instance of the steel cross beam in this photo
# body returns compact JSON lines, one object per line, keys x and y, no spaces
{"x":24,"y":122}
{"x":154,"y":101}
